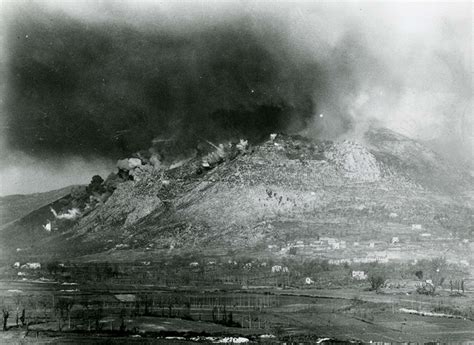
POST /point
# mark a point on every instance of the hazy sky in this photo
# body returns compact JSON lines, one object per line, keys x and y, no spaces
{"x":85,"y":82}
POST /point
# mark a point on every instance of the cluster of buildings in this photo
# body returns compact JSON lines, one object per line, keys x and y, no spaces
{"x":321,"y":245}
{"x":370,"y":258}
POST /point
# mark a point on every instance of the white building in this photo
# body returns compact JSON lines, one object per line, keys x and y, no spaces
{"x":278,"y":268}
{"x":32,"y":265}
{"x":359,"y":275}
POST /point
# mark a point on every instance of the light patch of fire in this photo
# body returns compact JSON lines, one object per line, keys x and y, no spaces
{"x":71,"y":214}
{"x":47,"y":226}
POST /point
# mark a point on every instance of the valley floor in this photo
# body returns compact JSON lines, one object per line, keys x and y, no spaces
{"x":153,"y":314}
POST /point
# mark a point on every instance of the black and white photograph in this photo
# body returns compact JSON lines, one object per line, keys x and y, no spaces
{"x":237,"y":171}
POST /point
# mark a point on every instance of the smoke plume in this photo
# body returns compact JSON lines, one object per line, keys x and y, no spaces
{"x":108,"y":89}
{"x":102,"y":79}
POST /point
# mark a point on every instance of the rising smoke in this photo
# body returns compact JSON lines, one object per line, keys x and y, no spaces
{"x":103,"y":79}
{"x":109,"y":88}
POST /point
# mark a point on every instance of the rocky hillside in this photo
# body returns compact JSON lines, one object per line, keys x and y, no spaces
{"x":285,"y":190}
{"x":417,"y":162}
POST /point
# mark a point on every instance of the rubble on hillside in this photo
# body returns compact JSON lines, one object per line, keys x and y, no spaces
{"x":294,"y":147}
{"x":142,"y":169}
{"x":224,"y":152}
{"x":139,"y":186}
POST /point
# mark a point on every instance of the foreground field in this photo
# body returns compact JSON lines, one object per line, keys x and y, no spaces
{"x":83,"y":312}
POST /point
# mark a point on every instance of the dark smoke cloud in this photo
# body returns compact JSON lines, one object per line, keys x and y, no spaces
{"x":109,"y":88}
{"x":85,"y":82}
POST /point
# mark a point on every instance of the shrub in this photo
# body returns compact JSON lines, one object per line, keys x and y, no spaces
{"x":377,"y":280}
{"x":419,"y":274}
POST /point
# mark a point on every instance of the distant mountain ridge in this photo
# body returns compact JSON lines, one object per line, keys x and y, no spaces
{"x":15,"y":206}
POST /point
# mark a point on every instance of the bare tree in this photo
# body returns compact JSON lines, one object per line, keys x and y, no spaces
{"x":22,"y":317}
{"x":63,"y":309}
{"x":6,"y":314}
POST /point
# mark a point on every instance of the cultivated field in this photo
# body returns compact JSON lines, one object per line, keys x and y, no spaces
{"x":177,"y":301}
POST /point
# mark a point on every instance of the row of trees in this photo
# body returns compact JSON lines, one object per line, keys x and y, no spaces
{"x":19,"y":318}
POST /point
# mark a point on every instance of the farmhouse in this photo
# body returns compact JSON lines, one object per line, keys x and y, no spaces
{"x":359,"y":275}
{"x":278,"y":268}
